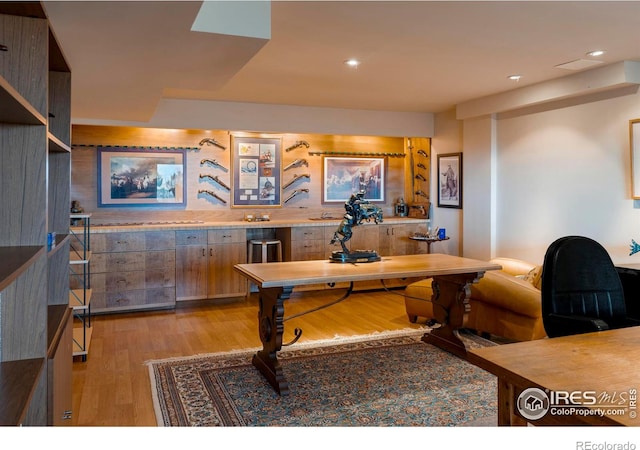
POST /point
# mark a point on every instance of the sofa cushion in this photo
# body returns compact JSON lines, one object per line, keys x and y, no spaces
{"x":534,"y":277}
{"x":508,"y":292}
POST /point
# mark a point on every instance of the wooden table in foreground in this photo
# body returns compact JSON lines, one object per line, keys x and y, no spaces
{"x":599,"y":371}
{"x":452,"y":275}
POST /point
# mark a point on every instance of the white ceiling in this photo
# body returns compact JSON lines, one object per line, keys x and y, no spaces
{"x":417,"y":56}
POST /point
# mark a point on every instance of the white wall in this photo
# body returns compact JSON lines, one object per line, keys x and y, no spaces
{"x":447,"y":139}
{"x":255,"y":117}
{"x":556,"y":172}
{"x":478,"y":187}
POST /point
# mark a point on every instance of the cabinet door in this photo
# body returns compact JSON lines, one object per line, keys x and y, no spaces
{"x":191,"y":272}
{"x":364,"y":237}
{"x":224,"y":281}
{"x":393,"y":240}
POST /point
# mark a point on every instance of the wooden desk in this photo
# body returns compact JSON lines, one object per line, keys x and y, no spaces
{"x":602,"y":363}
{"x":451,"y":274}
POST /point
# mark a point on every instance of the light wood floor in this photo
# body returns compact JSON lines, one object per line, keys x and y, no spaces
{"x":111,"y":388}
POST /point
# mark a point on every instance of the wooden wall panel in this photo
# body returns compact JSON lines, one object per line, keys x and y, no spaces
{"x":201,"y":207}
{"x":23,"y":199}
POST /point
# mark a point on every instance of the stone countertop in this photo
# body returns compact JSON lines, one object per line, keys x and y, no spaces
{"x":197,"y":225}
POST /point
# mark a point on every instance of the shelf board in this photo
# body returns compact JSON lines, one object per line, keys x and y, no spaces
{"x":57,"y":316}
{"x":18,"y":380}
{"x":15,"y":260}
{"x":74,"y":258}
{"x":81,"y":340}
{"x":56,"y":145}
{"x":15,"y":109}
{"x":79,"y":216}
{"x":24,"y":9}
{"x":76,"y":296}
{"x":60,"y":238}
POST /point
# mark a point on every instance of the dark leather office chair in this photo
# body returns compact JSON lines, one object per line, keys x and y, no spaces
{"x":581,"y":289}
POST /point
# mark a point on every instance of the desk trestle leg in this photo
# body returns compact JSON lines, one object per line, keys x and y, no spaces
{"x":271,"y":329}
{"x":450,"y":310}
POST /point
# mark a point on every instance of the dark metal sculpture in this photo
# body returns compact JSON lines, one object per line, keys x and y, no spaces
{"x":358,"y":209}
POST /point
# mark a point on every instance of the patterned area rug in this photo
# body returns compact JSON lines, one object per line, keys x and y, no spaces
{"x":386,"y":379}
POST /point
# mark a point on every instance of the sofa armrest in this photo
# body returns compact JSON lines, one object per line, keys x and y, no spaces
{"x":505,"y":291}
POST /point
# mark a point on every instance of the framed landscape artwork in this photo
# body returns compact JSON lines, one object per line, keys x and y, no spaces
{"x":342,"y":177}
{"x":450,"y":180}
{"x":130,"y":177}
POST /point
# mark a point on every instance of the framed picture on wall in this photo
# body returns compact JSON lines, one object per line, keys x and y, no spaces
{"x":256,"y":171}
{"x":342,"y":177}
{"x":450,"y":180}
{"x":130,"y":177}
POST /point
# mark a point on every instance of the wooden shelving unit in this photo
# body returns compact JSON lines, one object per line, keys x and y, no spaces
{"x":18,"y":380}
{"x":80,"y":292}
{"x":35,"y":152}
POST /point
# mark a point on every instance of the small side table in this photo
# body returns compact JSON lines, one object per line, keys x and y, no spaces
{"x":428,"y":239}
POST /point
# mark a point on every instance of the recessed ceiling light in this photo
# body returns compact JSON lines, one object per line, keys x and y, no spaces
{"x":596,"y":53}
{"x":514,"y":77}
{"x":352,"y":62}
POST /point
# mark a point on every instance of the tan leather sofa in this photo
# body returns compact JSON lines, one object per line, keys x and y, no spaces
{"x":503,"y":303}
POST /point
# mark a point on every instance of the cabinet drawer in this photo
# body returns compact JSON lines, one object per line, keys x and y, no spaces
{"x":132,"y":261}
{"x":117,"y":281}
{"x":306,"y":233}
{"x":195,"y":237}
{"x":117,"y":262}
{"x":159,"y":278}
{"x":128,"y":281}
{"x":118,"y":242}
{"x":306,"y":256}
{"x":233,"y":235}
{"x":165,"y":259}
{"x":135,"y":299}
{"x":159,"y":240}
{"x":308,"y":246}
{"x":133,"y":241}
